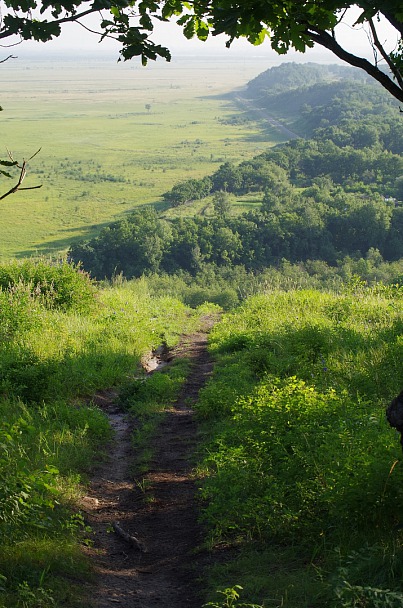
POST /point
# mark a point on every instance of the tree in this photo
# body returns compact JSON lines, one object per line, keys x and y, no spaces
{"x":222,"y":202}
{"x":133,"y":246}
{"x":190,"y":190}
{"x":297,"y":24}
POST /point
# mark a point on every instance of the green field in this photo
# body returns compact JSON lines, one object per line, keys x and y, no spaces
{"x":112,"y":136}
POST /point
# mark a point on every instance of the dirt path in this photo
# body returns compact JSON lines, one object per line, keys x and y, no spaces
{"x":251,"y":106}
{"x":158,"y":509}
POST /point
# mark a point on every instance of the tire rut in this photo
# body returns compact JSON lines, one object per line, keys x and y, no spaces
{"x":160,"y":510}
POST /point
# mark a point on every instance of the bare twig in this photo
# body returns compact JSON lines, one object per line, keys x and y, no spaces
{"x":132,"y":540}
{"x":23,"y":172}
{"x":7,"y":46}
{"x":384,"y":54}
{"x":7,"y":58}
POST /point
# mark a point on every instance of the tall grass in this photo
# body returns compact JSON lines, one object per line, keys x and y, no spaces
{"x":61,"y":340}
{"x":301,"y":469}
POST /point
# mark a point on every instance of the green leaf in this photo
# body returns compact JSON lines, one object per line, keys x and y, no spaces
{"x":51,"y":469}
{"x":189,"y":29}
{"x":202,"y":30}
{"x":257,"y":39}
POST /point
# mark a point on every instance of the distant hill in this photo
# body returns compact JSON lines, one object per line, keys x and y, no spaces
{"x":290,"y":76}
{"x":308,"y":97}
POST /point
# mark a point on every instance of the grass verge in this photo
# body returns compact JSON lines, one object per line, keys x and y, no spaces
{"x":147,"y":399}
{"x":302,"y":474}
{"x":53,"y":356}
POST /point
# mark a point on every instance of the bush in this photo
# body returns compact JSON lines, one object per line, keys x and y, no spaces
{"x":59,"y":285}
{"x":19,"y":311}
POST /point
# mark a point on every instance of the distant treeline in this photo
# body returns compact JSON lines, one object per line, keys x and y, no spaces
{"x":301,"y":163}
{"x":337,"y":194}
{"x":304,"y":230}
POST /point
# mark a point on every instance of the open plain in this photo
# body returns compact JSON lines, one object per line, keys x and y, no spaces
{"x":113,"y":136}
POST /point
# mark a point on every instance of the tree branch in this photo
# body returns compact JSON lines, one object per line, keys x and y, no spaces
{"x":384,"y":54}
{"x":398,"y":25}
{"x":23,"y":172}
{"x":7,"y":58}
{"x":326,"y":40}
{"x":17,"y":187}
{"x":90,"y":11}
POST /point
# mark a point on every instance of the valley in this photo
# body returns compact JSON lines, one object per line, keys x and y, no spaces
{"x":112,"y":137}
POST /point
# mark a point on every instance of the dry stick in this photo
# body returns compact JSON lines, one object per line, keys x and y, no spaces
{"x":23,"y":173}
{"x":17,"y":187}
{"x":395,"y":71}
{"x":7,"y":58}
{"x":132,"y":540}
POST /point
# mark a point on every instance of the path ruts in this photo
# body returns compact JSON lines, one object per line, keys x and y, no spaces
{"x":160,"y":511}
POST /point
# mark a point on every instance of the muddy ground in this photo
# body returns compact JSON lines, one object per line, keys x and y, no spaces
{"x":146,"y":526}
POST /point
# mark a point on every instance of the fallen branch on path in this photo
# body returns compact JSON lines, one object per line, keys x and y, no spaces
{"x":132,"y":540}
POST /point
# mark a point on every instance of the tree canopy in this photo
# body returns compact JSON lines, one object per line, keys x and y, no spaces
{"x":287,"y":24}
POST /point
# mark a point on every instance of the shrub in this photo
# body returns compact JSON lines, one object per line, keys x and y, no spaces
{"x":58,"y":284}
{"x":19,"y":311}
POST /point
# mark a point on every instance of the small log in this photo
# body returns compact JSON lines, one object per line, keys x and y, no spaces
{"x":132,"y":540}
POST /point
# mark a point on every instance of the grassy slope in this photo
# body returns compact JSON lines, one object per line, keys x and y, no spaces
{"x":51,"y":363}
{"x":301,"y":471}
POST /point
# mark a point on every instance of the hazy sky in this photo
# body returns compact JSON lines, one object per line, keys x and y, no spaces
{"x":74,"y":37}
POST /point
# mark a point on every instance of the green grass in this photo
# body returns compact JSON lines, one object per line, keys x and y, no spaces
{"x":147,"y":399}
{"x":205,"y":207}
{"x":301,"y":472}
{"x":52,"y":360}
{"x":103,"y":153}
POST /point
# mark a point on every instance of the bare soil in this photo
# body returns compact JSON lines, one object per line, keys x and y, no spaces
{"x":158,"y":567}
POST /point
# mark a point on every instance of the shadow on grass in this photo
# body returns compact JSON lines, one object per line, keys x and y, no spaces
{"x":63,"y":244}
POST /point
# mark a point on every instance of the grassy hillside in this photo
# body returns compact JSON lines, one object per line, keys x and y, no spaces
{"x":61,"y":340}
{"x":302,"y":474}
{"x":299,"y":471}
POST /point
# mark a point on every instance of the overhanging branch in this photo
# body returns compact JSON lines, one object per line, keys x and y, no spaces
{"x":384,"y":54}
{"x":6,"y":33}
{"x":326,"y":40}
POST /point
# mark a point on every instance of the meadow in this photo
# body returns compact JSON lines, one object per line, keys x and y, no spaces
{"x":112,"y":137}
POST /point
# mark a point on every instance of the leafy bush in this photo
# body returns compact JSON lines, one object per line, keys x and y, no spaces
{"x":59,"y":285}
{"x":299,"y":453}
{"x":295,"y":459}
